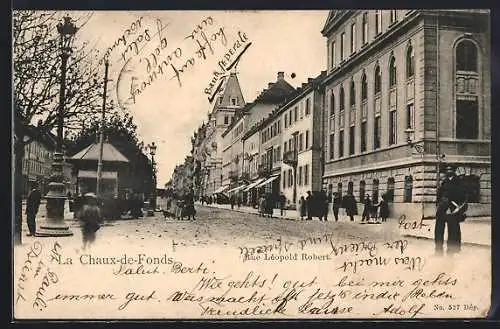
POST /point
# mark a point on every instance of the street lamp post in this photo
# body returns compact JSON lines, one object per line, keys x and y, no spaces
{"x":152,"y":152}
{"x":56,"y":196}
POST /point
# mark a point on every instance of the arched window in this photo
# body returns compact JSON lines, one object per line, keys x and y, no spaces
{"x":408,"y":190}
{"x":466,"y":56}
{"x":378,"y":79}
{"x":353,"y":94}
{"x":342,"y":99}
{"x":362,"y":191}
{"x":378,"y":22}
{"x":410,"y":62}
{"x":364,"y":87}
{"x":365,"y":28}
{"x":375,"y":191}
{"x":332,"y":104}
{"x":350,"y":188}
{"x":339,"y":189}
{"x":390,"y":190}
{"x":392,"y":71}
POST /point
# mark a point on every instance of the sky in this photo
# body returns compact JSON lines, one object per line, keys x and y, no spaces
{"x":162,"y":62}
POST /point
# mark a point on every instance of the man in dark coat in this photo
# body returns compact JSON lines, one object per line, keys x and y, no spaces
{"x":309,"y":205}
{"x":451,"y":195}
{"x":32,"y":205}
{"x":337,"y":204}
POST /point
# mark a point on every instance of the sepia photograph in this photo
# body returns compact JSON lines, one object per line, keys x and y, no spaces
{"x":251,"y":164}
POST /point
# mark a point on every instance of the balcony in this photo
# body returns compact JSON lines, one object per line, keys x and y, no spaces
{"x":264,"y":170}
{"x":290,"y":158}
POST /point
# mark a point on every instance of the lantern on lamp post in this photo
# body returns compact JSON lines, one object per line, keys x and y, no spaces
{"x":152,"y":151}
{"x":56,"y":196}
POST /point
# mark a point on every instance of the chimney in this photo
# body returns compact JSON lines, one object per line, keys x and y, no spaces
{"x":281,"y":76}
{"x":270,"y":84}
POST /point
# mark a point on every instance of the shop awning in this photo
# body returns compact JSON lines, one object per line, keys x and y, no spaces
{"x":221,"y":189}
{"x":236,"y":189}
{"x":269,"y":180}
{"x":252,"y":185}
{"x":93,"y":174}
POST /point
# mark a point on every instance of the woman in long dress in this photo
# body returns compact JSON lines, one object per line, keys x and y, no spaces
{"x":91,"y":218}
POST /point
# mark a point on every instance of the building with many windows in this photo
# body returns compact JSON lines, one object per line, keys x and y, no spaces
{"x":406,"y":91}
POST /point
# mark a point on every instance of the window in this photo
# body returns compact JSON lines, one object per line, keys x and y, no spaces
{"x":234,"y":101}
{"x":306,"y":174}
{"x":466,"y":56}
{"x":290,"y":178}
{"x":332,"y":55}
{"x":342,"y":99}
{"x":332,"y":104}
{"x":290,"y":118}
{"x":378,"y":22}
{"x":220,"y":100}
{"x":308,"y":106}
{"x":409,"y":116}
{"x":342,"y":46}
{"x":365,"y":28}
{"x":278,"y":153}
{"x":467,"y":120}
{"x":226,"y":120}
{"x":375,"y":191}
{"x":471,"y":185}
{"x":299,"y":180}
{"x":351,"y":140}
{"x":307,"y":139}
{"x":279,"y":126}
{"x":364,"y":87}
{"x":390,"y":190}
{"x":378,"y":79}
{"x":350,"y":188}
{"x":295,"y":113}
{"x":392,"y":72}
{"x":394,"y":16}
{"x":408,"y":190}
{"x":376,"y":133}
{"x":352,"y":95}
{"x":301,"y":139}
{"x":353,"y":38}
{"x":341,"y":144}
{"x":392,"y":127}
{"x":362,"y":191}
{"x":363,"y":136}
{"x":286,"y":120}
{"x":410,"y":62}
{"x":332,"y":146}
{"x":284,"y":179}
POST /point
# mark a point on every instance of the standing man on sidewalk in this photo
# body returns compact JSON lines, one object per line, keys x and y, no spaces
{"x":32,"y":205}
{"x":451,"y":207}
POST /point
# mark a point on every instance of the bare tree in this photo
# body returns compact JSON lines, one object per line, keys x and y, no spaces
{"x":36,"y":85}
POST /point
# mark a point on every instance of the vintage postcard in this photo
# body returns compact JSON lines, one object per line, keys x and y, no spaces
{"x":329,"y":164}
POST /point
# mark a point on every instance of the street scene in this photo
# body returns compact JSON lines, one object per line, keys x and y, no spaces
{"x":239,"y":165}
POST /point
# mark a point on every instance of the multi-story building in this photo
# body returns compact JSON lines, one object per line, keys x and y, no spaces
{"x":230,"y":100}
{"x":406,"y":91}
{"x":233,"y":153}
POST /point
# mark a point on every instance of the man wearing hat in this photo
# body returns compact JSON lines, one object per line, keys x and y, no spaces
{"x":32,"y":205}
{"x":451,"y":207}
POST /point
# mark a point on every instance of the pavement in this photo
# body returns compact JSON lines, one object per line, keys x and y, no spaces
{"x":474,"y":231}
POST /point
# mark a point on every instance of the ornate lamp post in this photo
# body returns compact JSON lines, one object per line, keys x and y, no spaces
{"x":56,"y":196}
{"x":152,"y":152}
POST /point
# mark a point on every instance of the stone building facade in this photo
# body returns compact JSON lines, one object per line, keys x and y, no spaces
{"x":406,"y":92}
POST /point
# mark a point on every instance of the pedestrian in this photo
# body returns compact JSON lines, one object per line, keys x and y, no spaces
{"x":450,"y":210}
{"x":189,"y":205}
{"x":262,"y":206}
{"x":269,"y":205}
{"x":238,"y":201}
{"x":367,"y":204}
{"x":383,"y":208}
{"x":350,"y":206}
{"x":91,"y":218}
{"x":302,"y":208}
{"x":337,"y":203}
{"x":232,"y":201}
{"x":282,"y":202}
{"x":309,"y":205}
{"x":32,"y":205}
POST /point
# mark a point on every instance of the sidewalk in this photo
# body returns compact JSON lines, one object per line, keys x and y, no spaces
{"x":474,"y":231}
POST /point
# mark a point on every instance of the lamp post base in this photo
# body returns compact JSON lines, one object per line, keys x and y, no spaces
{"x":54,"y":225}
